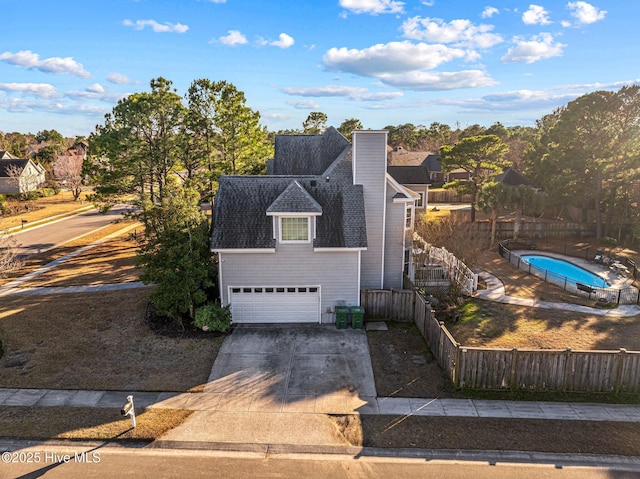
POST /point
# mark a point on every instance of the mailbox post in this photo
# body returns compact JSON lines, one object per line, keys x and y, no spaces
{"x":129,"y":410}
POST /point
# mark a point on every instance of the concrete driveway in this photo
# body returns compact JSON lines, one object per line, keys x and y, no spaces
{"x":279,"y":384}
{"x":292,"y":367}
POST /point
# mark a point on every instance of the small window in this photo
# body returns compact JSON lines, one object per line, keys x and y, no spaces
{"x":313,"y":290}
{"x":279,"y":290}
{"x":409,"y":220}
{"x":257,"y":290}
{"x":246,"y":290}
{"x":235,"y":290}
{"x":294,"y":229}
{"x":302,"y":290}
{"x":268,"y":290}
{"x":291,"y":290}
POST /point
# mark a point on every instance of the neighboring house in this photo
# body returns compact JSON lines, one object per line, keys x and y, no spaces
{"x":326,"y":222}
{"x":436,"y":175}
{"x":511,"y":177}
{"x":5,"y":155}
{"x":416,"y":179}
{"x":31,"y":175}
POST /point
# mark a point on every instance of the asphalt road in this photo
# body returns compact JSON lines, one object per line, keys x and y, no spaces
{"x":144,"y":463}
{"x":42,"y":238}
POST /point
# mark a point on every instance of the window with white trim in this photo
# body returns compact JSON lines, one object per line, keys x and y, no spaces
{"x":294,"y":229}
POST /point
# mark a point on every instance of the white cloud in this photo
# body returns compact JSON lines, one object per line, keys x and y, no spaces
{"x":381,"y":96}
{"x":352,"y":93}
{"x":373,"y":7}
{"x":156,"y":26}
{"x":519,"y":100}
{"x":304,"y":105}
{"x":390,"y":57}
{"x":59,"y":66}
{"x":91,"y":95}
{"x":585,"y":13}
{"x":540,"y":47}
{"x":40,"y":90}
{"x":95,"y":88}
{"x":119,"y":78}
{"x":461,"y":33}
{"x":536,"y":15}
{"x":284,"y":41}
{"x":489,"y":12}
{"x":431,"y":81}
{"x":324,"y":91}
{"x":234,"y":37}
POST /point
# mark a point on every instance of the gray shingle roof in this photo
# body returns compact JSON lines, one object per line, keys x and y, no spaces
{"x":511,"y":177}
{"x":307,"y":154}
{"x":240,"y":219}
{"x":432,"y":162}
{"x":294,"y":199}
{"x":6,"y":164}
{"x":410,"y":175}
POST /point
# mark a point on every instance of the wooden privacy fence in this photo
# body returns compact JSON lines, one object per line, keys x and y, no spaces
{"x":515,"y":369}
{"x":394,"y":304}
{"x":538,"y":229}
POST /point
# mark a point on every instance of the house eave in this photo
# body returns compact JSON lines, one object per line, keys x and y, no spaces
{"x":337,"y":250}
{"x":243,"y":250}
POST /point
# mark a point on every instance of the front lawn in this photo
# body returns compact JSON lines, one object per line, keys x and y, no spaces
{"x":96,"y":341}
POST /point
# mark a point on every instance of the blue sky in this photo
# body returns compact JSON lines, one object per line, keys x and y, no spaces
{"x":64,"y":63}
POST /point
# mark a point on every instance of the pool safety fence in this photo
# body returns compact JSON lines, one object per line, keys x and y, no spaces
{"x":629,"y":295}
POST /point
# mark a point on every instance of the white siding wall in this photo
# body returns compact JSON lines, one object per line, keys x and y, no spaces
{"x":370,"y":166}
{"x":394,"y":243}
{"x":296,"y":265}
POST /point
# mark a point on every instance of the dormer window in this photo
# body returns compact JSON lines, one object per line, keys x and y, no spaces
{"x":294,"y":229}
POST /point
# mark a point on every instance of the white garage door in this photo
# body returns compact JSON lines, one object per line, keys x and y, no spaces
{"x":297,"y":304}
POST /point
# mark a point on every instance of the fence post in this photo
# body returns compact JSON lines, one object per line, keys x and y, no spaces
{"x":456,"y":367}
{"x":514,"y":370}
{"x":621,"y":358}
{"x":619,"y":295}
{"x":567,"y":365}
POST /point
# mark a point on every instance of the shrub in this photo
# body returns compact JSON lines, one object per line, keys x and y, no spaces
{"x":4,"y":206}
{"x":46,"y":192}
{"x":213,"y":317}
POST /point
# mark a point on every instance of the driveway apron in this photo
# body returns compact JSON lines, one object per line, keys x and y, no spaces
{"x":292,"y":362}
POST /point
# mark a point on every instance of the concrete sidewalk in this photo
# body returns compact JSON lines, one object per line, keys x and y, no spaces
{"x":495,"y":292}
{"x":325,"y":404}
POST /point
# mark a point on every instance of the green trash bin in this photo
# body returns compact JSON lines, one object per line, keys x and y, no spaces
{"x":357,"y":317}
{"x":342,"y":317}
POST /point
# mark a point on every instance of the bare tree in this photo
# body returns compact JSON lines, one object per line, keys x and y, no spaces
{"x":459,"y":237}
{"x":25,"y":181}
{"x":9,"y":258}
{"x":67,"y":170}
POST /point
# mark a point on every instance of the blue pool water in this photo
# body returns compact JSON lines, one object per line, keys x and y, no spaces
{"x":564,"y":268}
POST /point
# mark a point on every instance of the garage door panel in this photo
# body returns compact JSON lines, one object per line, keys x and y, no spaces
{"x":297,"y":304}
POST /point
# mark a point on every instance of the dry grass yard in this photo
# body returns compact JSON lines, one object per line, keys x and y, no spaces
{"x":42,"y":208}
{"x":490,"y":324}
{"x":96,"y":341}
{"x":88,"y":423}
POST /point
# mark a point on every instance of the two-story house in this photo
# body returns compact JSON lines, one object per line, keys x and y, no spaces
{"x":326,"y":222}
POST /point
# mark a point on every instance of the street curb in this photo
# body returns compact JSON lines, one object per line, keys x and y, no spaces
{"x":492,"y":457}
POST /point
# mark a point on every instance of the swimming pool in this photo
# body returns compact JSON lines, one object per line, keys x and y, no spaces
{"x":562,"y":268}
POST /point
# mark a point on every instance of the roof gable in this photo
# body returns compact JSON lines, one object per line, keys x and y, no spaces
{"x":511,"y":177}
{"x":307,"y":154}
{"x":294,"y":199}
{"x":6,"y":164}
{"x":241,"y":219}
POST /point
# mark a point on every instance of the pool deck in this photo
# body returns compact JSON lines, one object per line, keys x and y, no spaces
{"x":495,"y":289}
